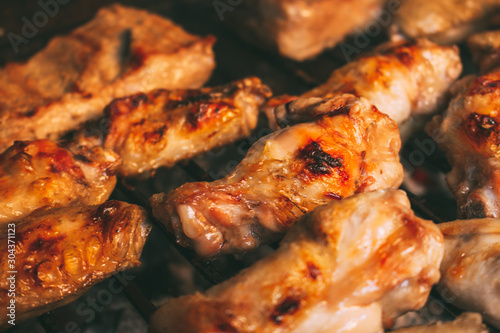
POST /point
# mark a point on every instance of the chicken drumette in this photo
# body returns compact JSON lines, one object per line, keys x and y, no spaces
{"x":469,"y":134}
{"x":350,"y":266}
{"x":471,"y":266}
{"x":344,"y":146}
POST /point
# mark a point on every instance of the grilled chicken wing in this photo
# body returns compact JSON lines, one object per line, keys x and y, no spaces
{"x":469,"y":134}
{"x":485,"y":49}
{"x":400,"y":78}
{"x":444,"y":21}
{"x":61,"y":252}
{"x":163,"y":127}
{"x":36,"y":174}
{"x":349,"y":266}
{"x":120,"y":52}
{"x":347,"y":147}
{"x":300,"y":29}
{"x":471,"y":266}
{"x":465,"y":323}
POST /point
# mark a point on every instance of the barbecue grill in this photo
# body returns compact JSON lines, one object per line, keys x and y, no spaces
{"x":125,"y":302}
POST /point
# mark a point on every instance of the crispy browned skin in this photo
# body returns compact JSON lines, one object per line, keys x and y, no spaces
{"x":349,"y":266}
{"x":346,"y":147}
{"x":300,"y":29}
{"x":400,"y":78}
{"x":41,"y":173}
{"x":471,"y":266}
{"x":469,"y":134}
{"x":61,"y":252}
{"x":163,"y":127}
{"x":465,"y":323}
{"x":120,"y":52}
{"x":485,"y":49}
{"x":444,"y":21}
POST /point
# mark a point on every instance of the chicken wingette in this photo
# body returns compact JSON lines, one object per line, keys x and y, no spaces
{"x":40,"y":174}
{"x":349,"y":266}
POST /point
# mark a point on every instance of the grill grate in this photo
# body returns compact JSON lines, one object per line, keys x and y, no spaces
{"x":235,"y":60}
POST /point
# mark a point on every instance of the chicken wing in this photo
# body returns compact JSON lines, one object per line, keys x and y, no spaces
{"x":465,"y":323}
{"x":61,"y":252}
{"x":444,"y":21}
{"x":36,"y":174}
{"x":471,"y":266}
{"x":349,"y":266}
{"x":469,"y":134}
{"x":163,"y":127}
{"x":400,"y":78}
{"x":485,"y":49}
{"x":120,"y":52}
{"x":347,"y":147}
{"x":299,"y":29}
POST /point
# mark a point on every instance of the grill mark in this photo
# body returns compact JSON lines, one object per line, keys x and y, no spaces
{"x":318,"y":162}
{"x":484,"y":86}
{"x":313,"y":270}
{"x":202,"y":112}
{"x":333,"y":196}
{"x":288,"y":306}
{"x":481,"y":128}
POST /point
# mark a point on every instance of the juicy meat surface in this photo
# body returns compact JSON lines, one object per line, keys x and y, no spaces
{"x":61,"y":252}
{"x":471,"y":266}
{"x":300,"y":29}
{"x":120,"y":52}
{"x":465,"y":323}
{"x":469,"y":134}
{"x":444,"y":21}
{"x":346,"y":146}
{"x":41,"y":173}
{"x":349,"y":266}
{"x":400,"y":78}
{"x":485,"y":48}
{"x":162,"y":127}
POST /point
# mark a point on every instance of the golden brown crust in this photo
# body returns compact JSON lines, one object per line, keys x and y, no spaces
{"x":120,"y":52}
{"x":345,"y":147}
{"x":61,"y":252}
{"x":162,"y":127}
{"x":40,"y":174}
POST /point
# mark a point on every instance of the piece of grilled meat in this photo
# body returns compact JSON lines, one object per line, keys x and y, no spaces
{"x":444,"y":21}
{"x":346,"y":147}
{"x":485,"y":48}
{"x":471,"y":266}
{"x":300,"y":29}
{"x":41,"y":173}
{"x":465,"y":323}
{"x":120,"y":52}
{"x":469,"y":134}
{"x":61,"y":252}
{"x":400,"y":78}
{"x":162,"y":127}
{"x":349,"y":266}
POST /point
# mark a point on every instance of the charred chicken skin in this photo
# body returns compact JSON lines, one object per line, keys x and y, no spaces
{"x":471,"y":266}
{"x":342,"y":146}
{"x":163,"y":127}
{"x":120,"y":52}
{"x":400,"y":78}
{"x":444,"y":21}
{"x":469,"y":134}
{"x":349,"y":266}
{"x":41,"y":173}
{"x":61,"y":252}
